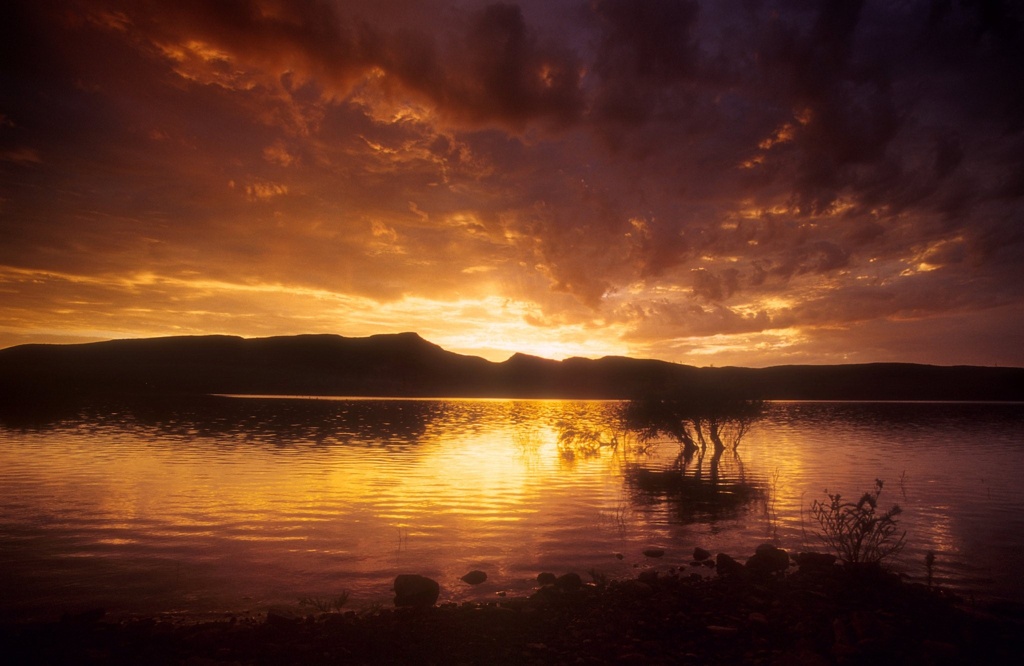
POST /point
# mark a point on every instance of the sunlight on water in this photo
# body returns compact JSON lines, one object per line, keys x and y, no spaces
{"x":228,"y":505}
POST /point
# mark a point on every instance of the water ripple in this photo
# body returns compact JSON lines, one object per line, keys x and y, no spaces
{"x":275,"y":499}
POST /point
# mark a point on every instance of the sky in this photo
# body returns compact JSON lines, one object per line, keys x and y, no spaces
{"x":729,"y":182}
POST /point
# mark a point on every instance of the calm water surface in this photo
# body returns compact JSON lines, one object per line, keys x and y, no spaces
{"x":233,"y":505}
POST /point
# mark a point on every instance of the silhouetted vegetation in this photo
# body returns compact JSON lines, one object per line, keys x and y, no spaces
{"x":858,"y":532}
{"x":693,"y":483}
{"x":693,"y":421}
{"x":577,"y":439}
{"x":326,"y":604}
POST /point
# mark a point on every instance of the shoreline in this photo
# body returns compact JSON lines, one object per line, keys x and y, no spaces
{"x":763,"y":612}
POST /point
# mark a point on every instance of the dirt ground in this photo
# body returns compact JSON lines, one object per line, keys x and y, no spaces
{"x":821,"y":616}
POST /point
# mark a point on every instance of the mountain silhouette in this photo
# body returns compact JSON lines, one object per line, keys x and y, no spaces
{"x":406,"y":365}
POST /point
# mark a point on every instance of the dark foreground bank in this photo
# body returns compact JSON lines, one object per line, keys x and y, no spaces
{"x":820,"y":614}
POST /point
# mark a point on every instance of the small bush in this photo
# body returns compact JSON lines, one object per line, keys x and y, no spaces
{"x":326,"y":604}
{"x":857,"y":532}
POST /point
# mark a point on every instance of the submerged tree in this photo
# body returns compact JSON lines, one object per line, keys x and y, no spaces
{"x":693,"y":421}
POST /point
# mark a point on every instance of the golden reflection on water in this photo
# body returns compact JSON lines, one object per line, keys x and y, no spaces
{"x":272,"y":501}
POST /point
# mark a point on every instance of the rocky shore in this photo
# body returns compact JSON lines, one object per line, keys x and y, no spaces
{"x":772,"y":609}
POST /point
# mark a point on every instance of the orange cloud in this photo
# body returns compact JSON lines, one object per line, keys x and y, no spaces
{"x":692,"y":180}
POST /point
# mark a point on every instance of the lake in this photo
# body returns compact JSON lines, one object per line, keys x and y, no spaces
{"x":234,"y":505}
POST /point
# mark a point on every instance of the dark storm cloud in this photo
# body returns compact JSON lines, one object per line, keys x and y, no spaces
{"x":842,"y":94}
{"x":711,"y":287}
{"x":677,"y":168}
{"x":645,"y":50}
{"x":488,"y":66}
{"x":982,"y":40}
{"x":814,"y":257}
{"x":513,"y":78}
{"x":667,"y":320}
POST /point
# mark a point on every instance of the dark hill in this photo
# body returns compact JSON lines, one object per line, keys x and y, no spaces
{"x":407,"y":365}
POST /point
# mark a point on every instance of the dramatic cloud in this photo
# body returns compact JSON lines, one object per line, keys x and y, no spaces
{"x":742,"y":182}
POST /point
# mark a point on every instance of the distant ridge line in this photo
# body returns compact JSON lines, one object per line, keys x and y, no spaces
{"x":406,"y":365}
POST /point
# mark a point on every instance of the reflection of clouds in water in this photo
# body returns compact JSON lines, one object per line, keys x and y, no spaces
{"x":445,"y":484}
{"x":959,"y":464}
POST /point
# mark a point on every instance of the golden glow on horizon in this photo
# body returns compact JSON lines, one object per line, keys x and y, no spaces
{"x":493,"y":327}
{"x":63,"y":307}
{"x":497,"y":179}
{"x":768,"y":342}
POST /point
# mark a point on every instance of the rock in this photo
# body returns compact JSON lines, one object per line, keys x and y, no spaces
{"x":474,"y":577}
{"x":569,"y":582}
{"x":809,"y":562}
{"x":416,"y":591}
{"x":726,"y":565}
{"x":546,"y":578}
{"x":90,"y":616}
{"x":282,"y":618}
{"x":866,"y":625}
{"x":637,"y":588}
{"x":699,"y":554}
{"x":650,"y":576}
{"x":938,"y":652}
{"x":768,"y":560}
{"x":771,"y":550}
{"x":655,"y":552}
